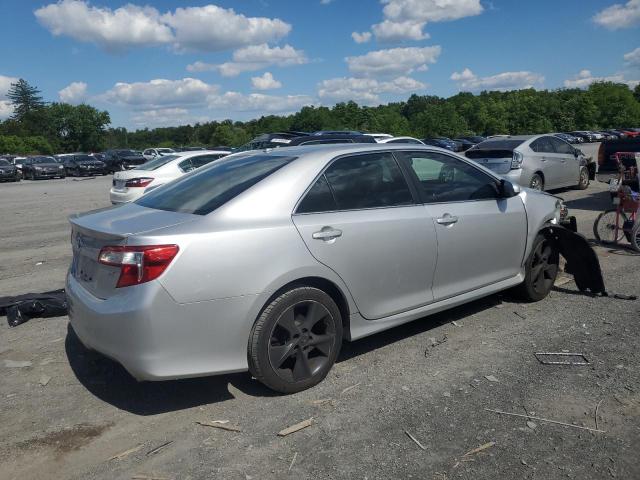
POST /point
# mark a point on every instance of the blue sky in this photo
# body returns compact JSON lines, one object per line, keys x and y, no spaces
{"x":167,"y":62}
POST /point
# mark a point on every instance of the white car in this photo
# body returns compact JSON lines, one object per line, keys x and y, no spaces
{"x":409,"y":140}
{"x":129,"y":185}
{"x":151,"y":153}
{"x":378,"y":136}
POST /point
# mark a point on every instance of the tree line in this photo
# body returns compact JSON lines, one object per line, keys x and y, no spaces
{"x":37,"y":127}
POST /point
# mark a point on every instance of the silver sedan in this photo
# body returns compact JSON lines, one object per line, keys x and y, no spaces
{"x":267,"y":260}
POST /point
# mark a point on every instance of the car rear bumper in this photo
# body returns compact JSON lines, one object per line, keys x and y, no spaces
{"x":118,"y":197}
{"x":155,"y":338}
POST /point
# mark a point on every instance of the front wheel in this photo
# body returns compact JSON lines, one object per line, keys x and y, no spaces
{"x":541,"y":270}
{"x":608,"y":227}
{"x":296,"y":340}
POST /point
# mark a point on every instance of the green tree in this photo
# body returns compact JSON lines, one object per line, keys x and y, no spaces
{"x":24,"y":98}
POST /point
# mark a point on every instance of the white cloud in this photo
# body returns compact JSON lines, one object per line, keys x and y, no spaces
{"x":584,"y":78}
{"x":258,"y":102}
{"x":365,"y":90}
{"x":406,"y":19}
{"x":325,"y":2}
{"x":74,"y":93}
{"x":160,"y":93}
{"x":633,"y":57}
{"x":363,"y":37}
{"x":619,"y":15}
{"x":114,"y":30}
{"x":166,"y":117}
{"x":6,"y":109}
{"x":468,"y":80}
{"x":252,"y":58}
{"x":390,"y":31}
{"x":265,"y":82}
{"x":393,"y":62}
{"x":208,"y":28}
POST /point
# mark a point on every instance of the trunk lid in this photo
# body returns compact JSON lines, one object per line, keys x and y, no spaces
{"x":496,"y":160}
{"x":113,"y":226}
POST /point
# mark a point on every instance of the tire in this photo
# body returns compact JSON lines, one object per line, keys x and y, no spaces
{"x":536,"y":182}
{"x":295,"y":341}
{"x":541,"y":270}
{"x":604,"y":227}
{"x":635,"y":237}
{"x":583,"y":180}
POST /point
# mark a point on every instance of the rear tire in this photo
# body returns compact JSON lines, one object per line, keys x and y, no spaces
{"x":295,"y":341}
{"x":537,"y":183}
{"x":541,"y":270}
{"x":604,"y":227}
{"x":583,"y":180}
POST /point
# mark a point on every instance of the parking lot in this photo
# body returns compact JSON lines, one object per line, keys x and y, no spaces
{"x":69,"y":413}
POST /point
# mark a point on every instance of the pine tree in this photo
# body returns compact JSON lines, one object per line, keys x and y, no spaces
{"x":25,"y":98}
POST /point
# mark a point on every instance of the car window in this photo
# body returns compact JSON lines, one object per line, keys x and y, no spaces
{"x":543,"y":145}
{"x":156,"y":163}
{"x":327,"y":142}
{"x":3,"y":162}
{"x":368,"y":181}
{"x":318,"y":199}
{"x":202,"y":160}
{"x":443,"y":178}
{"x":213,"y":185}
{"x":186,"y":165}
{"x":405,"y":140}
{"x":561,"y":146}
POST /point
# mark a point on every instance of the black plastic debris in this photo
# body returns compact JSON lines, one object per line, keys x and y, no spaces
{"x":22,"y":308}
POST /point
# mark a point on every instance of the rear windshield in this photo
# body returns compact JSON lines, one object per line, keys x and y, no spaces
{"x":156,"y":162}
{"x":212,"y":186}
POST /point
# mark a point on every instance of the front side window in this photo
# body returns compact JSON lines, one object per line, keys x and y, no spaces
{"x":443,"y":178}
{"x":211,"y":187}
{"x":542,"y":145}
{"x":368,"y":181}
{"x":561,"y":146}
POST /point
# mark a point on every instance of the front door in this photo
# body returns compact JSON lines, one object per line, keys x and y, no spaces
{"x":481,"y":236}
{"x":361,"y":220}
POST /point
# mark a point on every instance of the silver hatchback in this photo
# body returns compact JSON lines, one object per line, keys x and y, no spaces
{"x":267,"y":260}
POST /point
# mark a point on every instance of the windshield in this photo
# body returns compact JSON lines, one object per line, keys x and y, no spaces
{"x":212,"y":186}
{"x":156,"y":162}
{"x":43,"y":160}
{"x":4,"y":162}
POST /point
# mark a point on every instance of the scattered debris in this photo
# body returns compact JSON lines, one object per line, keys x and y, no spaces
{"x":17,"y":363}
{"x":491,"y":378}
{"x":39,"y":263}
{"x":21,"y":308}
{"x":349,"y":388}
{"x":83,"y":179}
{"x":482,"y":447}
{"x":545,"y":420}
{"x":295,"y":428}
{"x":292,"y":461}
{"x":523,"y":317}
{"x":531,"y":425}
{"x":621,"y":296}
{"x":435,"y":343}
{"x":153,"y":451}
{"x":561,"y":280}
{"x":500,"y":306}
{"x":545,"y":361}
{"x":456,"y":324}
{"x":221,"y":424}
{"x":415,"y":440}
{"x":44,"y":380}
{"x":596,"y":413}
{"x":126,"y":453}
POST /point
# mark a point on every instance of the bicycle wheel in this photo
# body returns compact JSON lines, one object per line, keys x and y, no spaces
{"x":635,"y":237}
{"x":604,"y":228}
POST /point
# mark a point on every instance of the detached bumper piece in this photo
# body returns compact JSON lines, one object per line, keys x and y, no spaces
{"x":582,"y":260}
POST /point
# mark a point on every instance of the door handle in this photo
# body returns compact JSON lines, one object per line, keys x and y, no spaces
{"x":327,"y":233}
{"x":447,"y":219}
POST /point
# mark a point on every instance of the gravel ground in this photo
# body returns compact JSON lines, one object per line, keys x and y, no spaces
{"x":69,"y":411}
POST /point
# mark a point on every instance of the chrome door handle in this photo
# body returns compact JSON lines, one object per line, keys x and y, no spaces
{"x":327,"y":233}
{"x":447,"y":219}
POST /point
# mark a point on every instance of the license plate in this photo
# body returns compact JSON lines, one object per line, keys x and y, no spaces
{"x":119,"y":185}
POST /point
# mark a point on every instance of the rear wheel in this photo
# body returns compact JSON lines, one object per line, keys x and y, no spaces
{"x":583,"y":180}
{"x":296,"y":340}
{"x":537,"y":183}
{"x":604,"y":228}
{"x":635,"y":237}
{"x":541,"y":271}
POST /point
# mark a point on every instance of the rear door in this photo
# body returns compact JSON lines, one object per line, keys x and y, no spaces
{"x":548,"y":162}
{"x":569,"y":163}
{"x":481,"y":237}
{"x":361,"y":220}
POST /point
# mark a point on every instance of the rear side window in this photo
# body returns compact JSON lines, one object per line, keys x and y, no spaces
{"x":368,"y":181}
{"x":211,"y":187}
{"x":318,"y":199}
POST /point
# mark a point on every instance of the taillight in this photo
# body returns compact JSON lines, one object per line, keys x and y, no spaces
{"x":138,"y":264}
{"x":139,"y":182}
{"x":516,"y":161}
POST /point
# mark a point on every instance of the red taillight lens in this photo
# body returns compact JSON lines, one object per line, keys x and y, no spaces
{"x":138,"y":182}
{"x":138,"y":264}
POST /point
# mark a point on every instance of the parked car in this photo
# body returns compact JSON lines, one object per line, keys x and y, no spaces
{"x":475,"y":139}
{"x":18,"y":161}
{"x":379,"y":136}
{"x":123,"y":159}
{"x":38,"y":167}
{"x":8,"y":172}
{"x":410,"y":140}
{"x":289,"y":139}
{"x":81,"y":164}
{"x":151,"y":153}
{"x":619,"y":133}
{"x":442,"y":142}
{"x":266,"y":261}
{"x":568,"y":138}
{"x":541,"y":162}
{"x":631,"y":132}
{"x":465,"y":144}
{"x":130,"y":185}
{"x":334,"y":132}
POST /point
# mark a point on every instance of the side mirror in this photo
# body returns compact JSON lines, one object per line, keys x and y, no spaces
{"x":507,"y":190}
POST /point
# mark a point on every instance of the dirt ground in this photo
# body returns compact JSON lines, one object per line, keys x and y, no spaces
{"x":68,"y":413}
